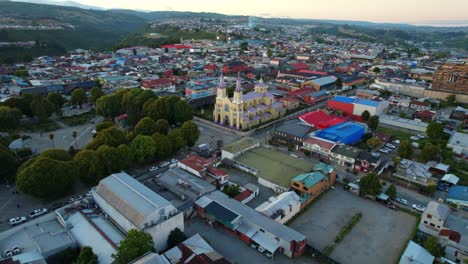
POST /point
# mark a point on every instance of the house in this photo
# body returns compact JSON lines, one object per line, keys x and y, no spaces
{"x":414,"y":172}
{"x":251,"y":226}
{"x":195,"y":165}
{"x":274,"y":169}
{"x":132,"y":205}
{"x":458,"y":142}
{"x":420,"y":106}
{"x":435,"y":215}
{"x":291,"y":133}
{"x":345,"y":156}
{"x":194,"y":250}
{"x":365,"y":162}
{"x":159,"y":85}
{"x":319,"y":147}
{"x":414,"y":253}
{"x":311,"y":184}
{"x":281,"y":208}
{"x":458,"y":195}
{"x":424,"y":115}
{"x":346,"y":133}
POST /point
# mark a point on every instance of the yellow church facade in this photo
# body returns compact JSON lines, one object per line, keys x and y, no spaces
{"x":244,"y":111}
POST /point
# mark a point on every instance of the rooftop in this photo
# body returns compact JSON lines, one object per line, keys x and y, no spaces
{"x":309,"y":179}
{"x":347,"y":151}
{"x":294,"y":127}
{"x":194,"y":250}
{"x":458,"y":193}
{"x":183,"y":183}
{"x":343,"y":99}
{"x":320,"y":119}
{"x":414,"y":253}
{"x":240,"y":145}
{"x":132,"y":199}
{"x":275,"y":166}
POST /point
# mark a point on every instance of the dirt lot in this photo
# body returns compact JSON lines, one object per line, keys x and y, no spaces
{"x":379,"y":237}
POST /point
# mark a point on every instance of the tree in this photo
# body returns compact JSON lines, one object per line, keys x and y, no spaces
{"x":231,"y":190}
{"x":373,"y":122}
{"x":9,"y":117}
{"x":112,"y":137}
{"x":269,"y":53}
{"x":176,"y":138}
{"x":433,"y":246}
{"x":183,"y":112}
{"x":244,"y":46}
{"x":95,"y":93}
{"x":190,"y":133}
{"x":108,"y":106}
{"x":56,"y":100}
{"x":370,"y":185}
{"x":376,"y":70}
{"x":78,"y":96}
{"x":8,"y":163}
{"x":126,"y":155}
{"x":451,"y":99}
{"x":374,"y":142}
{"x":434,"y":132}
{"x":146,"y":127}
{"x":41,"y":108}
{"x":391,"y":191}
{"x":143,"y":148}
{"x":365,"y":116}
{"x":395,"y":160}
{"x":104,"y":125}
{"x":175,"y":237}
{"x":162,"y":126}
{"x":404,"y":149}
{"x":51,"y":137}
{"x":163,"y":145}
{"x":110,"y":158}
{"x":135,"y":244}
{"x":429,"y":152}
{"x":23,"y":103}
{"x":47,"y":178}
{"x":339,"y":83}
{"x":56,"y":154}
{"x":86,"y":256}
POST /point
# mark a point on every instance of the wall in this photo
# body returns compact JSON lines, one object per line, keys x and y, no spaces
{"x":161,"y":232}
{"x":276,"y":188}
{"x":402,"y":88}
{"x":118,"y":218}
{"x":443,"y":95}
{"x":348,"y":109}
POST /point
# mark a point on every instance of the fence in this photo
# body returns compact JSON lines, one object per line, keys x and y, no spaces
{"x":319,"y":256}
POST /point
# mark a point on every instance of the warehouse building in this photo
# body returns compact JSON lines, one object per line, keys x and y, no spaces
{"x":346,"y":133}
{"x":249,"y":225}
{"x":409,"y":125}
{"x":351,"y":106}
{"x":185,"y":185}
{"x":132,"y":205}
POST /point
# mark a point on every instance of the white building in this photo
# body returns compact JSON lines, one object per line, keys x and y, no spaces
{"x":435,"y":215}
{"x":282,"y":207}
{"x":414,"y":253}
{"x":373,"y":107}
{"x":132,"y":205}
{"x":459,"y":143}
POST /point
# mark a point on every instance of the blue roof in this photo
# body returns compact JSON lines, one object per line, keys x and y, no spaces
{"x":367,"y":102}
{"x":344,"y":99}
{"x":318,"y":94}
{"x":458,"y":193}
{"x":347,"y":133}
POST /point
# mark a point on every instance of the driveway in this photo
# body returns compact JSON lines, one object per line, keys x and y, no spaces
{"x":378,"y":237}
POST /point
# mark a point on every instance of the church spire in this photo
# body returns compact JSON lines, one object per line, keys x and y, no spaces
{"x":222,"y":85}
{"x":238,"y":83}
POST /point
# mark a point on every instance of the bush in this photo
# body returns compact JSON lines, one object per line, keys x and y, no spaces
{"x":78,"y":119}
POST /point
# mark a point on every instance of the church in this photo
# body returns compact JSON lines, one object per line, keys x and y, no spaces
{"x":244,"y":111}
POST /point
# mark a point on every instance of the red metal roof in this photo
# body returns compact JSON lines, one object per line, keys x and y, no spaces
{"x":196,"y":162}
{"x":320,"y":119}
{"x":451,"y":234}
{"x":217,"y":172}
{"x":313,"y":72}
{"x":243,"y":195}
{"x":321,"y":142}
{"x":176,"y":46}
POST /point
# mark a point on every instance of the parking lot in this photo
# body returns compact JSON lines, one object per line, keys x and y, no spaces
{"x":232,"y":248}
{"x":378,"y":237}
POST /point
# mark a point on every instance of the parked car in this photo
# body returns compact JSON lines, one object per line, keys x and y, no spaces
{"x":37,"y":212}
{"x":75,"y":198}
{"x":375,"y":154}
{"x":391,"y":206}
{"x":173,"y":166}
{"x":253,"y":245}
{"x":17,"y":220}
{"x":16,"y":250}
{"x":269,"y":254}
{"x":58,"y":205}
{"x":7,"y":253}
{"x":89,"y":193}
{"x":384,"y":150}
{"x":419,"y":208}
{"x":154,"y":168}
{"x":174,"y":161}
{"x":164,"y":164}
{"x":415,"y":138}
{"x":388,"y":145}
{"x":396,"y":141}
{"x":402,"y":201}
{"x":260,"y":249}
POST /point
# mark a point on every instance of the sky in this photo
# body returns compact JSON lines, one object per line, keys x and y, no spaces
{"x":394,"y":11}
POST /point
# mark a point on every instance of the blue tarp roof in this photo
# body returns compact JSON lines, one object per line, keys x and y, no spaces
{"x":458,"y":193}
{"x":347,"y":133}
{"x":344,"y":99}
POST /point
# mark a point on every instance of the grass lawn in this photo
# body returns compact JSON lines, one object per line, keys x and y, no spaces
{"x":396,"y":134}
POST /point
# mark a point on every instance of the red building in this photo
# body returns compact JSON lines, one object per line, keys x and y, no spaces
{"x":344,"y":104}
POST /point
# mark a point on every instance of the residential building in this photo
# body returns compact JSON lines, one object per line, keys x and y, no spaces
{"x":250,"y":225}
{"x":291,"y":133}
{"x":195,"y":164}
{"x":414,"y":172}
{"x":281,"y":208}
{"x":132,"y":205}
{"x":244,"y":111}
{"x":345,"y":156}
{"x":414,"y":253}
{"x":201,"y":91}
{"x":458,"y":142}
{"x":194,"y":250}
{"x":458,"y":195}
{"x":319,"y":147}
{"x":420,"y":105}
{"x":311,"y":184}
{"x":366,"y":162}
{"x":409,"y":125}
{"x":435,"y":215}
{"x":159,"y":85}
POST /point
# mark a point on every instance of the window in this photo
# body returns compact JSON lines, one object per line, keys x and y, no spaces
{"x":429,"y":216}
{"x":453,"y":78}
{"x":425,"y":222}
{"x":438,"y":226}
{"x":431,"y":224}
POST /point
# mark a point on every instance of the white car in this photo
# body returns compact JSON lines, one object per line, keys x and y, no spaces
{"x":388,"y":145}
{"x":75,"y":198}
{"x":17,"y":220}
{"x":402,"y":201}
{"x":396,"y":141}
{"x":261,"y":249}
{"x":174,"y":161}
{"x":164,"y":164}
{"x":415,"y":138}
{"x":419,"y":208}
{"x":384,"y":150}
{"x":37,"y":212}
{"x":89,"y":193}
{"x":154,"y":168}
